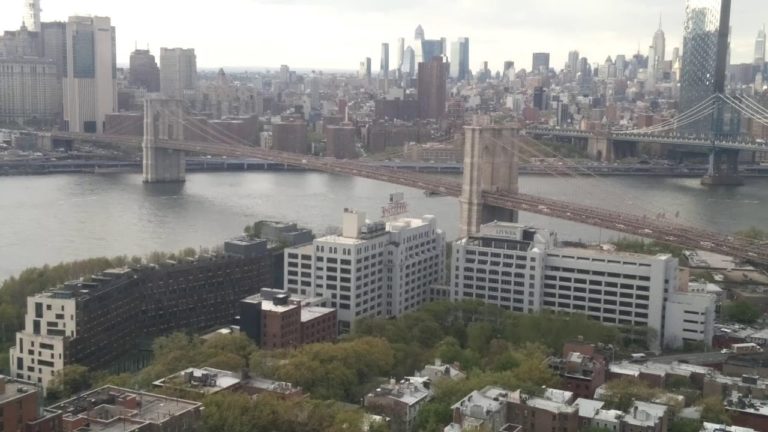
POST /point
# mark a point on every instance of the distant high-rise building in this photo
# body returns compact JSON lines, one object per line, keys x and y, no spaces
{"x":460,"y":59}
{"x":53,"y":38}
{"x":573,"y":63}
{"x":143,"y":71}
{"x":384,"y":69}
{"x":178,"y":71}
{"x":90,"y":81}
{"x":621,"y":65}
{"x":760,"y":48}
{"x":408,"y":69}
{"x":418,"y":45}
{"x":432,"y":48}
{"x":365,"y":69}
{"x":285,"y":72}
{"x":399,"y":54}
{"x":384,"y":65}
{"x":432,"y":89}
{"x":419,"y":33}
{"x":540,"y":63}
{"x":32,"y":15}
{"x":30,"y":88}
{"x":705,"y":56}
{"x":660,"y":44}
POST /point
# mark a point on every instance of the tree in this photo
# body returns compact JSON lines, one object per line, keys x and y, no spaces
{"x":753,"y":233}
{"x":68,"y":381}
{"x":228,"y":412}
{"x":713,"y":411}
{"x":742,"y":312}
{"x":684,"y":425}
{"x":621,"y":393}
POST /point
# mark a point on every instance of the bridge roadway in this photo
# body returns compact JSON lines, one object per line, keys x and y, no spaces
{"x":640,"y":225}
{"x":673,"y":139}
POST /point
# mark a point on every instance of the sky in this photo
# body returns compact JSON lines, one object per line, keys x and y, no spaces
{"x":338,"y":34}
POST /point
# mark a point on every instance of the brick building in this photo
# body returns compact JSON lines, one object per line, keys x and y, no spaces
{"x":20,"y":409}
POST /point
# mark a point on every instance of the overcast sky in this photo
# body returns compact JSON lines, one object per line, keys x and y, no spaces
{"x":337,"y":34}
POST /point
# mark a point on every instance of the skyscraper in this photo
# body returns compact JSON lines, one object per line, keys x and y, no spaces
{"x":384,"y":65}
{"x":760,"y":48}
{"x":432,"y":90}
{"x":399,"y":54}
{"x":143,"y":71}
{"x":178,"y":71}
{"x":365,"y":69}
{"x":90,"y":81}
{"x":418,"y":44}
{"x":621,"y":65}
{"x":659,"y":44}
{"x":32,"y":15}
{"x":408,"y":69}
{"x":573,"y":63}
{"x":540,"y":63}
{"x":705,"y":52}
{"x":460,"y":59}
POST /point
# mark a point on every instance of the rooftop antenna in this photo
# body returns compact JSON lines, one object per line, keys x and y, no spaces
{"x":659,"y":20}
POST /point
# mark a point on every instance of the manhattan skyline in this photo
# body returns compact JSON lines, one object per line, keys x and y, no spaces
{"x":328,"y":34}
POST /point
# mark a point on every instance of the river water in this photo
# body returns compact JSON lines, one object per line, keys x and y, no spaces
{"x":49,"y":219}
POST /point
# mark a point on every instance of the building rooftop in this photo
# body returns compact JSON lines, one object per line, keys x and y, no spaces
{"x":712,"y":427}
{"x":112,"y":408}
{"x":15,"y":388}
{"x":588,"y":407}
{"x":645,"y":414}
{"x":409,"y":391}
{"x":268,"y":385}
{"x":271,"y":307}
{"x":480,"y":403}
{"x":312,"y":312}
{"x":737,"y":402}
{"x":600,"y":253}
{"x":203,"y":380}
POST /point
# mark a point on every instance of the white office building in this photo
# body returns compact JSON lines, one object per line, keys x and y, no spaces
{"x":39,"y":351}
{"x":519,"y":268}
{"x":90,"y":81}
{"x":373,"y":269}
{"x":689,"y":317}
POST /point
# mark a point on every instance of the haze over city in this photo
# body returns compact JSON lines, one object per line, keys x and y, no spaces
{"x":395,"y":216}
{"x":329,"y":34}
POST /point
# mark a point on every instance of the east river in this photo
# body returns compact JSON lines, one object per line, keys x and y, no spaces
{"x":54,"y":218}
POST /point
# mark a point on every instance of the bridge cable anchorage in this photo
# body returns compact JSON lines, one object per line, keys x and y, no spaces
{"x":670,"y":123}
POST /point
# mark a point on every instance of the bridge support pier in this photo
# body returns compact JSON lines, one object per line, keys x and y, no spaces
{"x":490,"y":165}
{"x":723,"y":169}
{"x":600,"y":148}
{"x":163,"y":121}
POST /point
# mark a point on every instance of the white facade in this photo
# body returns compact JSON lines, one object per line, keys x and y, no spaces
{"x":178,"y":71}
{"x":39,"y":350}
{"x":518,"y":268}
{"x":32,"y":15}
{"x":29,"y":88}
{"x":90,"y":84}
{"x":371,"y":269}
{"x":689,"y":317}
